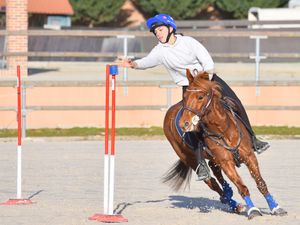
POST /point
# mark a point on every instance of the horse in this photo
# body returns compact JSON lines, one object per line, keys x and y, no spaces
{"x":227,"y":140}
{"x":180,"y":173}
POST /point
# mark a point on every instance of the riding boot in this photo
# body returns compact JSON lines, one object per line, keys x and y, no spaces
{"x":202,"y":169}
{"x":259,"y":146}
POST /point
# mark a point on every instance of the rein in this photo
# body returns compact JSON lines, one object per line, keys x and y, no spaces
{"x":216,"y":137}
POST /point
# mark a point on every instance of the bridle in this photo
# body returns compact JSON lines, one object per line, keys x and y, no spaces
{"x":199,"y":114}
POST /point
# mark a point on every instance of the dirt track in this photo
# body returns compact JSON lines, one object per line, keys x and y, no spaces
{"x":65,"y":179}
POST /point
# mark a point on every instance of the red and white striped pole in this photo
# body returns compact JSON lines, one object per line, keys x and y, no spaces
{"x":19,"y":148}
{"x":106,"y":145}
{"x":113,"y":72}
{"x":109,"y":157}
{"x":19,"y":200}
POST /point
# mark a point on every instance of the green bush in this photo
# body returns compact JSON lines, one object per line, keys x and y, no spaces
{"x":95,"y":12}
{"x":177,"y":9}
{"x":239,"y":9}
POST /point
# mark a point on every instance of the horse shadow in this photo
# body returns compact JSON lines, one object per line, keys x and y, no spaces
{"x":205,"y":205}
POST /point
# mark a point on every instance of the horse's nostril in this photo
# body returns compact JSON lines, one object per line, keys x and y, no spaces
{"x":186,"y":124}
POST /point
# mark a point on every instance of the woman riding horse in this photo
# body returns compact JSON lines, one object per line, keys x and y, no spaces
{"x":178,"y":53}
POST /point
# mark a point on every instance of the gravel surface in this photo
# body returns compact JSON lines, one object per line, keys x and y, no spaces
{"x":64,"y":177}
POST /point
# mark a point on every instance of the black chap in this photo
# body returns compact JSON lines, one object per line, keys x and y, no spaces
{"x":228,"y":92}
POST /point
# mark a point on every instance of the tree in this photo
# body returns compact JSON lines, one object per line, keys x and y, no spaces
{"x":239,"y":9}
{"x":95,"y":12}
{"x":183,"y":9}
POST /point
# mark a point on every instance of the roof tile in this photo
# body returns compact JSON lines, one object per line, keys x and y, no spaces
{"x":58,"y":7}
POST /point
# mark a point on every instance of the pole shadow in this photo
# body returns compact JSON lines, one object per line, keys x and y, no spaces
{"x":35,"y":71}
{"x":34,"y":194}
{"x":122,"y":206}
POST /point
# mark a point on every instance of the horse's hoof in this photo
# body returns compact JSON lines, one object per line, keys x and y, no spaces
{"x":240,"y":208}
{"x":277,"y":211}
{"x":253,"y":212}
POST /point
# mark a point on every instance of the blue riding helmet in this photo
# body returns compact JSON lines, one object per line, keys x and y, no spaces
{"x":160,"y":20}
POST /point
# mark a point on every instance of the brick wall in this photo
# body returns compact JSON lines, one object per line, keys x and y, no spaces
{"x":16,"y":20}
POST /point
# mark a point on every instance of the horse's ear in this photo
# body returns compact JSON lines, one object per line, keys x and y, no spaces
{"x":204,"y":75}
{"x":189,"y":76}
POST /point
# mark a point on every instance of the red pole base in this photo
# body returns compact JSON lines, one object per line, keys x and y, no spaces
{"x":17,"y":202}
{"x":109,"y":218}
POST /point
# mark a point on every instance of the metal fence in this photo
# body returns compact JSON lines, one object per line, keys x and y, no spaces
{"x":207,"y":30}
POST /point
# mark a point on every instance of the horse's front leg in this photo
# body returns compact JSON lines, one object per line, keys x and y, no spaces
{"x":253,"y":167}
{"x":226,"y":198}
{"x":229,"y":169}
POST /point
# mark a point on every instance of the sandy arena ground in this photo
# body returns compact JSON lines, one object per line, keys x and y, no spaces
{"x":65,"y":179}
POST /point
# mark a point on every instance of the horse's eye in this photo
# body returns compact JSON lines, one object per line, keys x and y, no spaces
{"x":200,"y":97}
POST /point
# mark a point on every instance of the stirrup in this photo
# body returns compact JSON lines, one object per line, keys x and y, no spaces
{"x":260,"y":146}
{"x":202,"y":171}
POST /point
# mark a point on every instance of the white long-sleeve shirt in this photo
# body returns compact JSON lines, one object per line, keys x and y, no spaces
{"x":185,"y":53}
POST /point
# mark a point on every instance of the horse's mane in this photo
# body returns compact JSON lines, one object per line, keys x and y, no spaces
{"x":201,"y":81}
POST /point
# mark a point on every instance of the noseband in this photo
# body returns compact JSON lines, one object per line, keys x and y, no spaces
{"x":199,"y":115}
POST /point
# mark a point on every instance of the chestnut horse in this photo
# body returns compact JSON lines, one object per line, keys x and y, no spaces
{"x":227,"y":139}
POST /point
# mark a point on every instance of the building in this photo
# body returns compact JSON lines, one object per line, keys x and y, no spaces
{"x":47,"y":13}
{"x":275,"y":14}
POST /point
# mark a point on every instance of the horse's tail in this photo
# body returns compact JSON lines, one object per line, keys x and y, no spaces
{"x":178,"y":176}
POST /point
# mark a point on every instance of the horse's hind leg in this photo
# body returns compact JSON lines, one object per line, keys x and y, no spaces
{"x":225,"y":194}
{"x":253,"y":167}
{"x":217,"y":172}
{"x":226,"y":198}
{"x":187,"y":157}
{"x":213,"y":185}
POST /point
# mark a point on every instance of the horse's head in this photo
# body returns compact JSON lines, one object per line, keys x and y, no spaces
{"x":198,"y":100}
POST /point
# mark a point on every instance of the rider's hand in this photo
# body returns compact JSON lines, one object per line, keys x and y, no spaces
{"x":128,"y":63}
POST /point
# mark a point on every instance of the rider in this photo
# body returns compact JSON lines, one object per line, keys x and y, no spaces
{"x":178,"y":53}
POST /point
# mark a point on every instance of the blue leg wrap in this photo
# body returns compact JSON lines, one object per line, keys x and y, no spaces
{"x":233,"y":204}
{"x":271,"y":202}
{"x":228,"y":193}
{"x":249,"y":202}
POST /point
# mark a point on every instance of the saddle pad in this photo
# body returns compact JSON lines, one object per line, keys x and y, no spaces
{"x":190,"y":138}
